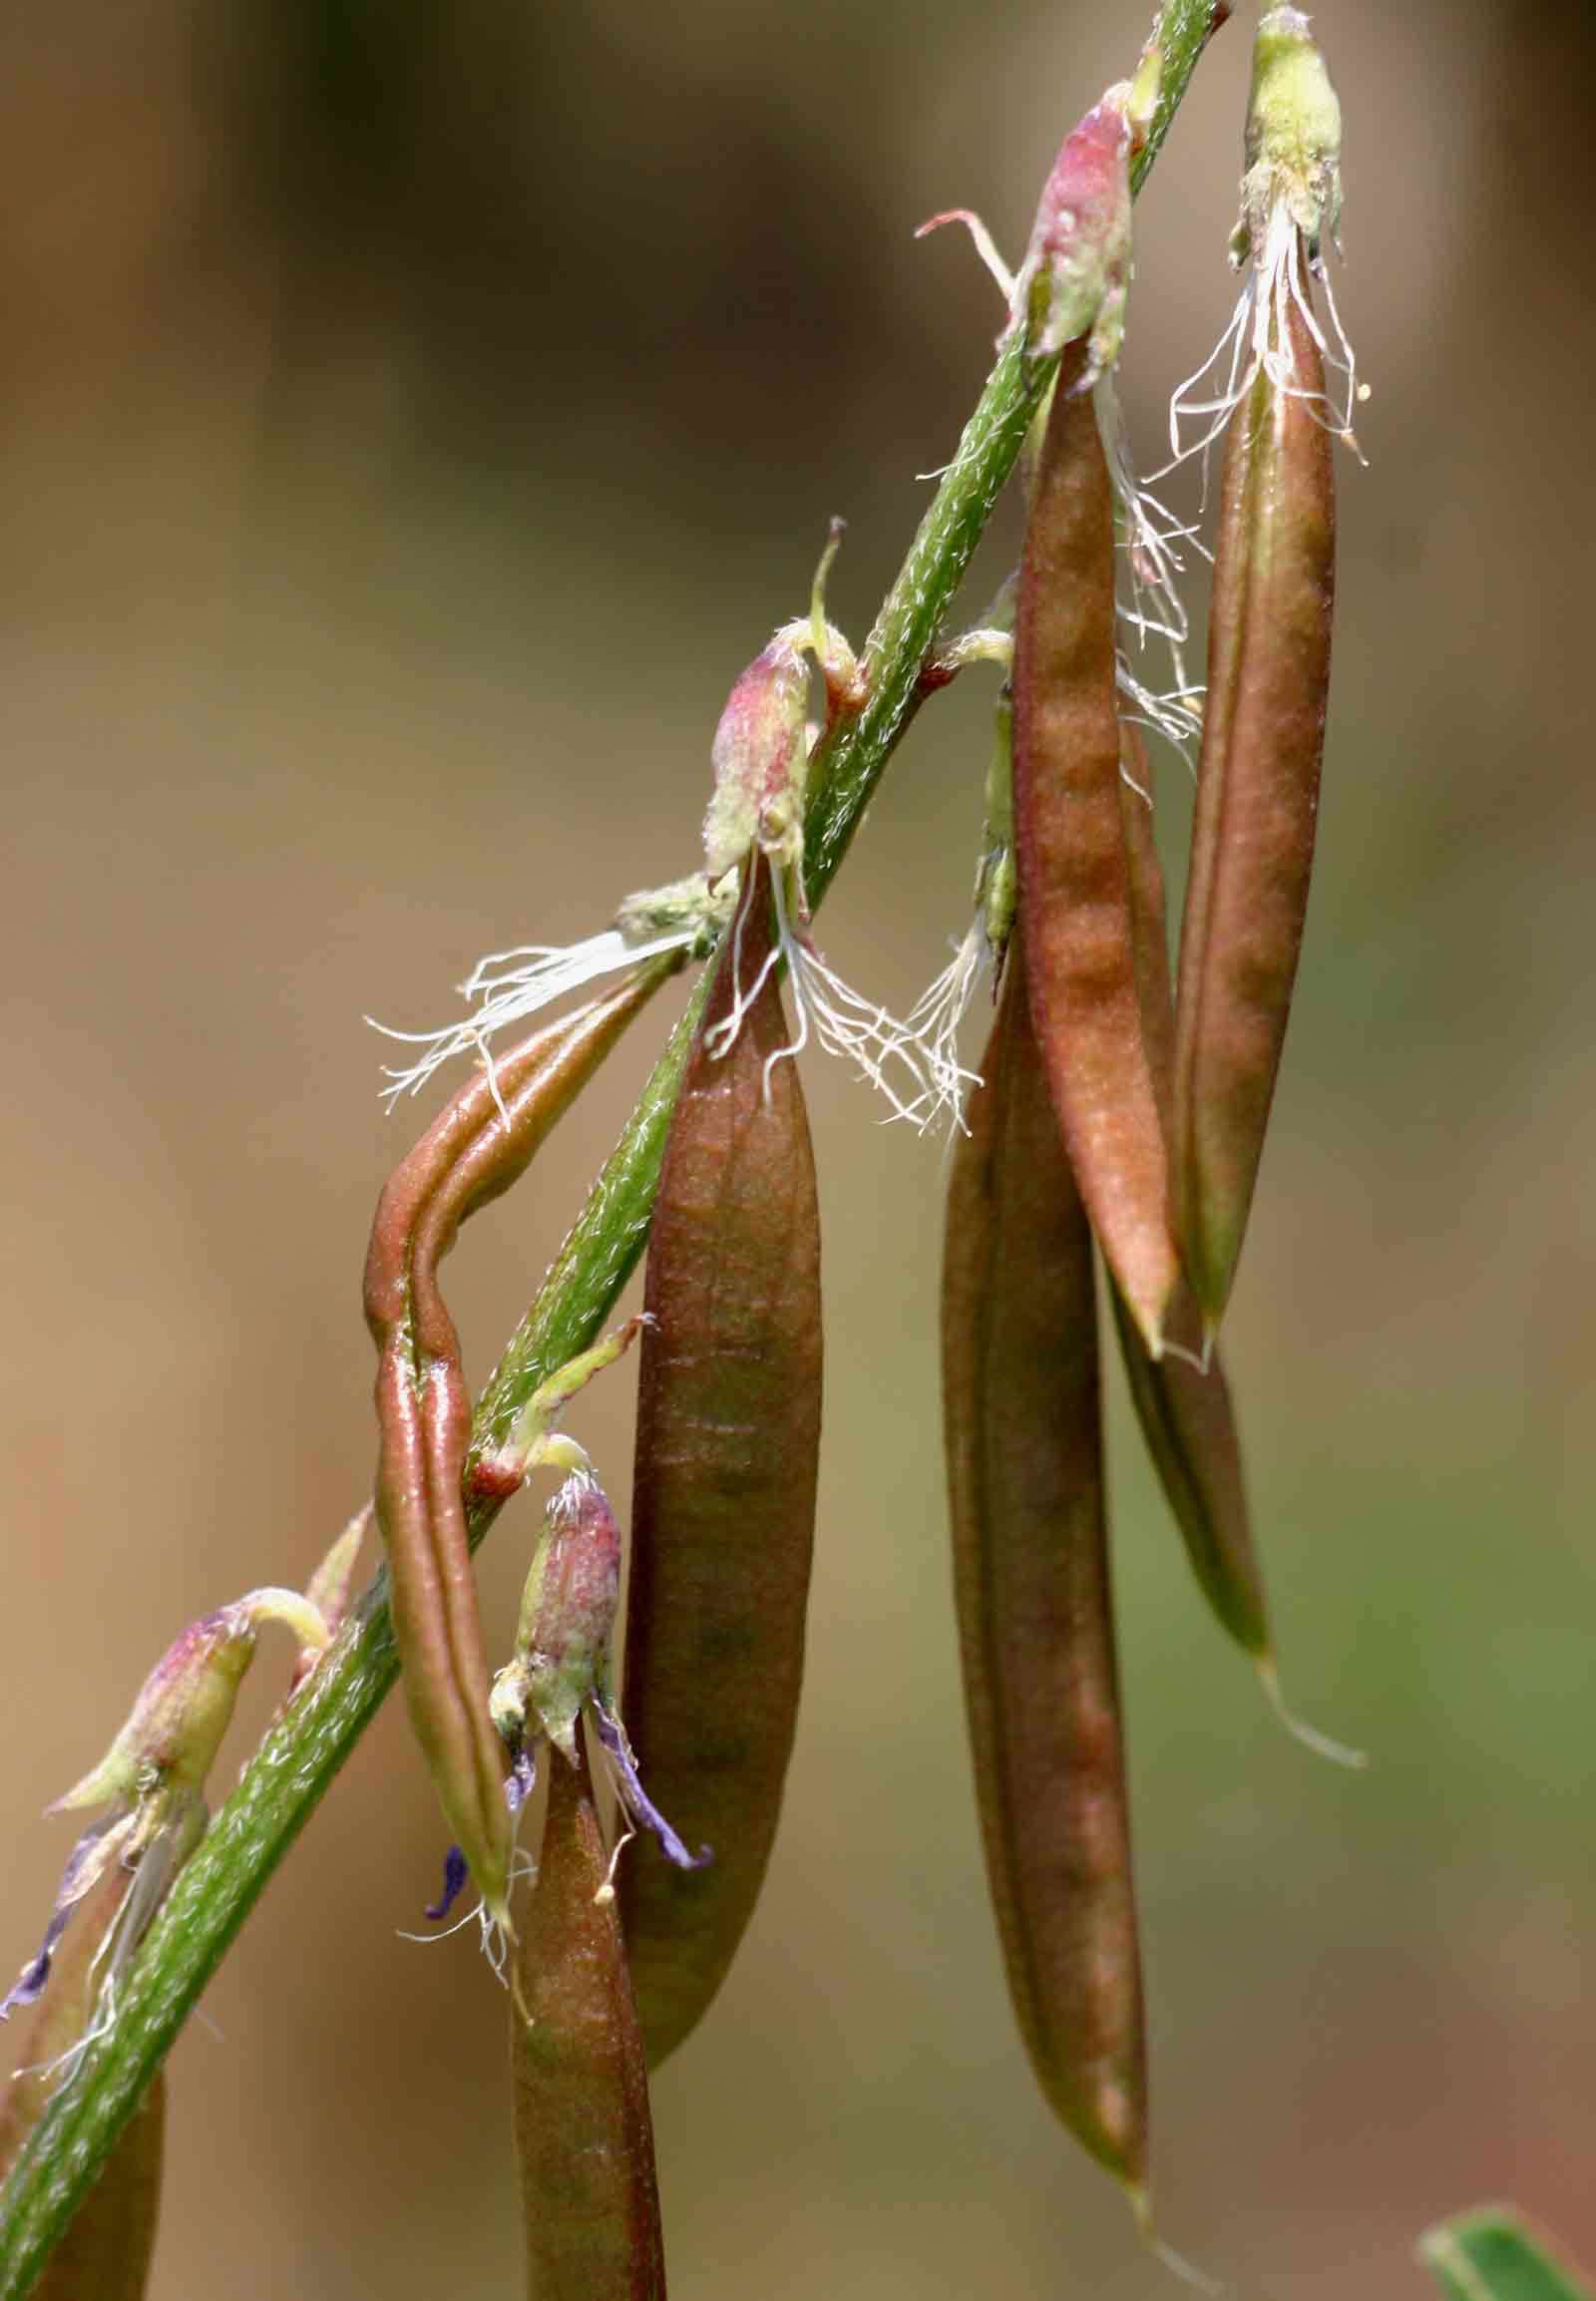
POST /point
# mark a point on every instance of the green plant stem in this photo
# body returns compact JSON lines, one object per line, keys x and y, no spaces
{"x":284,"y":1780}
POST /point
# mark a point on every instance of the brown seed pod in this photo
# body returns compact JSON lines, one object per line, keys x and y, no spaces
{"x":728,"y":1436}
{"x":105,"y":2254}
{"x":584,"y":2136}
{"x":1185,"y":1413}
{"x":477,"y":1148}
{"x":1022,"y":1425}
{"x":1074,"y":899}
{"x":1256,"y":802}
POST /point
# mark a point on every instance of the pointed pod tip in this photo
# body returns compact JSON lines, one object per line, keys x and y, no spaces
{"x":1187,"y":2271}
{"x":1322,"y":1745}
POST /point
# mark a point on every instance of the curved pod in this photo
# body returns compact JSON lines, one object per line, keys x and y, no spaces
{"x":478,"y":1145}
{"x":728,"y":1437}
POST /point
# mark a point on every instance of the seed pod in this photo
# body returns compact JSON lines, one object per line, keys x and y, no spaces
{"x":582,"y":2130}
{"x":1023,"y":1426}
{"x":1185,"y":1411}
{"x":478,"y":1147}
{"x":1074,"y":896}
{"x":105,"y":2254}
{"x":728,"y":1433}
{"x":1257,"y":798}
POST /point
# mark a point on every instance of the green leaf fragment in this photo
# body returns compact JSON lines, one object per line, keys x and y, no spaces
{"x":1488,"y":2255}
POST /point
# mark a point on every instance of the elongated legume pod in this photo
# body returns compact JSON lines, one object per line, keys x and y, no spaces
{"x":728,"y":1436}
{"x":1186,"y":1415}
{"x":105,"y":2254}
{"x":478,"y":1145}
{"x":584,"y":2136}
{"x":1074,"y":900}
{"x":1022,"y":1425}
{"x":1256,"y":802}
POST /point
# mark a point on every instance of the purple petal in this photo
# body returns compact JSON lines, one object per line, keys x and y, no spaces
{"x":455,"y":1874}
{"x":30,"y":1984}
{"x":635,"y":1798}
{"x":522,"y":1779}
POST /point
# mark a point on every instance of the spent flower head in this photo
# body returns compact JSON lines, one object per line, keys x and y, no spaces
{"x":506,"y":987}
{"x":760,"y":757}
{"x":1291,"y":199}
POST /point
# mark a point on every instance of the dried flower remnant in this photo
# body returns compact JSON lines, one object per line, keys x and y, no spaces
{"x":728,"y":1436}
{"x":938,"y":1013}
{"x":1268,"y":648}
{"x":1291,"y":199}
{"x":684,"y":920}
{"x":760,"y":760}
{"x":475,"y":1149}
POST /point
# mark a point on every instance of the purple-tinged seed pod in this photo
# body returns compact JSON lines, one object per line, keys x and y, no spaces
{"x":1183,"y":1399}
{"x":1023,"y":1427}
{"x":1257,"y":803}
{"x":1184,"y":1409}
{"x":728,"y":1434}
{"x":1074,"y":894}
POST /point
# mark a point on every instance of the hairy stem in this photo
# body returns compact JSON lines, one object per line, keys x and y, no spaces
{"x":284,"y":1780}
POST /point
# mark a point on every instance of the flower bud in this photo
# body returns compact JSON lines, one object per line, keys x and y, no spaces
{"x":568,"y":1618}
{"x":185,"y":1703}
{"x":1077,"y":274}
{"x":155,"y":1772}
{"x":759,"y":762}
{"x":562,"y":1667}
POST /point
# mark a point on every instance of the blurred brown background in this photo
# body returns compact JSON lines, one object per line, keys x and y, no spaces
{"x":415,"y":414}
